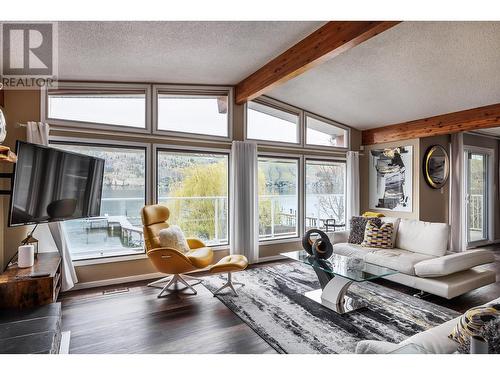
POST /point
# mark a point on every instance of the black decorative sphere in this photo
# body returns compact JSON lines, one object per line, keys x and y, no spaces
{"x":320,"y":248}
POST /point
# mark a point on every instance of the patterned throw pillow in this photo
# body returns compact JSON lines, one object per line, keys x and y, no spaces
{"x":472,"y":322}
{"x":378,"y":236}
{"x":173,"y":238}
{"x":358,"y":225}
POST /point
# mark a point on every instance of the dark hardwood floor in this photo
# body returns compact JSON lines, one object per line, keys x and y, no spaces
{"x":135,"y":321}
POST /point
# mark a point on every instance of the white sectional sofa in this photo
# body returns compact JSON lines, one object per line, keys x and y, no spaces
{"x":422,"y":258}
{"x":433,"y":341}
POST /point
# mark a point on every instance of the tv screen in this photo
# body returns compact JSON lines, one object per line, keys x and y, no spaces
{"x":53,"y":185}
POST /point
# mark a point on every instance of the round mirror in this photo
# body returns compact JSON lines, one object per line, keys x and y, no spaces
{"x":436,"y":166}
{"x":3,"y":127}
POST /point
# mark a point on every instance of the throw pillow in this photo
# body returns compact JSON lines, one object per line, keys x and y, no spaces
{"x":372,"y":214}
{"x":358,"y":225}
{"x":378,"y":236}
{"x":174,"y":238}
{"x":472,"y":322}
{"x":395,"y":223}
{"x":491,"y":333}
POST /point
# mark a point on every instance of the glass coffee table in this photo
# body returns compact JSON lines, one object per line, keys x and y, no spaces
{"x":335,"y":275}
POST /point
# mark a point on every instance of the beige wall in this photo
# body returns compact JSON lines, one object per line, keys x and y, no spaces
{"x":433,"y":203}
{"x":20,"y":106}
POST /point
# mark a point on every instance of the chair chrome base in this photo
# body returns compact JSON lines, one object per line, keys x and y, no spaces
{"x":229,"y":284}
{"x":174,"y":280}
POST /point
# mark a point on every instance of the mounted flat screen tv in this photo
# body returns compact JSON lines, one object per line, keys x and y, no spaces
{"x":53,"y":185}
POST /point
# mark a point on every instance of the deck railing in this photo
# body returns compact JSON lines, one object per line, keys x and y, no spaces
{"x":476,"y":207}
{"x":281,"y":220}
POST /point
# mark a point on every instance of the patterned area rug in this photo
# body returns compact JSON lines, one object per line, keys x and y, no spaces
{"x":273,"y":305}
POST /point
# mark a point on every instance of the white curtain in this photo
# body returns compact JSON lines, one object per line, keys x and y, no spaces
{"x":38,"y":132}
{"x":244,"y":213}
{"x":352,"y":184}
{"x":458,"y":241}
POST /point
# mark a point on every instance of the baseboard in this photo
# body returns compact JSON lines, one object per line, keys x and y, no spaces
{"x":147,"y":276}
{"x":64,"y":345}
{"x":117,"y":280}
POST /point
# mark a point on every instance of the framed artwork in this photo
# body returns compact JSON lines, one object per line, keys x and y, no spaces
{"x":391,"y":179}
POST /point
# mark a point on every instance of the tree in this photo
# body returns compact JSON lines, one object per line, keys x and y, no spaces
{"x":196,"y":215}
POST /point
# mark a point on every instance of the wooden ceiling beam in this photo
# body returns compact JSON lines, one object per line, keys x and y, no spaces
{"x":328,"y":41}
{"x":470,"y":119}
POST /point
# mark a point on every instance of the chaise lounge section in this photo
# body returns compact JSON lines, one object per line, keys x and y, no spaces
{"x":422,"y":257}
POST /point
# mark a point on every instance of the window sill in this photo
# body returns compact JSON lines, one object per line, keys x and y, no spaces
{"x":110,"y":259}
{"x":125,"y":258}
{"x":279,"y":240}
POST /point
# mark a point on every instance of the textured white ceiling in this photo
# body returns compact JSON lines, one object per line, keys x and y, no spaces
{"x":491,"y":131}
{"x":412,"y":71}
{"x":173,"y":52}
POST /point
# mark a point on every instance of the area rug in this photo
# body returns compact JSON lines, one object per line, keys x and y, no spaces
{"x":273,"y":305}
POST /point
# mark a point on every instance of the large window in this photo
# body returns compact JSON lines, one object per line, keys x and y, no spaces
{"x":325,"y":194}
{"x":205,"y":114}
{"x":194,"y":186}
{"x":125,"y":108}
{"x":323,"y":133}
{"x":268,"y":123}
{"x":278,"y":198}
{"x":118,"y":229}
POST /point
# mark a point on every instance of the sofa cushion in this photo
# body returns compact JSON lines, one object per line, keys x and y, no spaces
{"x":395,"y":223}
{"x":352,"y":250}
{"x":423,"y":237}
{"x":338,"y":236}
{"x":472,"y":322}
{"x":376,"y":236}
{"x":358,"y":225}
{"x":448,"y":264}
{"x":375,"y":347}
{"x":396,"y":259}
{"x":435,"y":340}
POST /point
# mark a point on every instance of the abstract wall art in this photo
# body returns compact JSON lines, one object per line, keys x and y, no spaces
{"x":391,"y":179}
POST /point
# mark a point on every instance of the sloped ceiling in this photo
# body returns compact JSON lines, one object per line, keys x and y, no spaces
{"x":173,"y":52}
{"x":411,"y":71}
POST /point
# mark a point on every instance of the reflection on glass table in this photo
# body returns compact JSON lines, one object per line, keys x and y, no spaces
{"x":335,"y":275}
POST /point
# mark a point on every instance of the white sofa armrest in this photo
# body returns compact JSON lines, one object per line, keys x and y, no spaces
{"x":338,"y":237}
{"x":375,"y":347}
{"x":449,"y":264}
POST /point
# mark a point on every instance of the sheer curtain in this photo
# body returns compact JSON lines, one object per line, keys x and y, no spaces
{"x":244,"y":213}
{"x":352,"y":186}
{"x":458,"y":241}
{"x":38,"y":132}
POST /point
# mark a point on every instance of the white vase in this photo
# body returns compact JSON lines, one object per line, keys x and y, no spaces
{"x":26,"y":256}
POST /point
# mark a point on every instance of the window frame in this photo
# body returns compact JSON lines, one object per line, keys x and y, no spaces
{"x":330,"y":160}
{"x":82,"y":86}
{"x":158,"y":147}
{"x":147,"y":198}
{"x":276,"y":104}
{"x":301,"y":128}
{"x":331,"y":122}
{"x":194,"y":91}
{"x":300,"y":196}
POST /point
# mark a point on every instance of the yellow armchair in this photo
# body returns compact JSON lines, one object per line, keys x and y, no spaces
{"x":168,"y":260}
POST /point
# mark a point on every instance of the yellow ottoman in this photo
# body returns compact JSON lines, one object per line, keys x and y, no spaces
{"x":230,"y":263}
